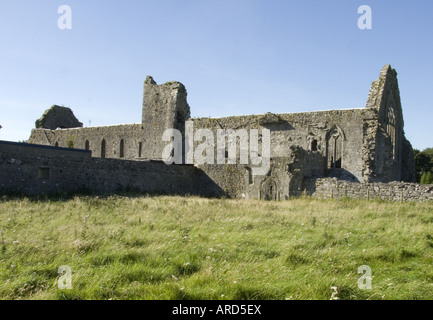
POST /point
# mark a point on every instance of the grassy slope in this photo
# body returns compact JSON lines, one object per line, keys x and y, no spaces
{"x":194,"y":248}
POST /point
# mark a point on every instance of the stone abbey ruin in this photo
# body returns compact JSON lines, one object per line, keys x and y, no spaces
{"x":352,"y":152}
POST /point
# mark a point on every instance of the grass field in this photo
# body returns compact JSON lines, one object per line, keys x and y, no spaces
{"x":194,"y":248}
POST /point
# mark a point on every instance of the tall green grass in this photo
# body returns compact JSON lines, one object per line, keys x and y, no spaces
{"x":165,"y":247}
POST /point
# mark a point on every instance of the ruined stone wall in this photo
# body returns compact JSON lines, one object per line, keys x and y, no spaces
{"x":299,"y":150}
{"x":33,"y":169}
{"x":164,"y":107}
{"x":301,"y":130}
{"x":390,"y":155}
{"x":238,"y":181}
{"x":327,"y":188}
{"x":359,"y":145}
{"x":113,"y":135}
{"x":231,"y":179}
{"x":36,"y":169}
{"x":58,"y":117}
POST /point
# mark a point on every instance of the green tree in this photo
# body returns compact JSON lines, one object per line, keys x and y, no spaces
{"x":429,"y":153}
{"x":423,"y":162}
{"x":427,"y":178}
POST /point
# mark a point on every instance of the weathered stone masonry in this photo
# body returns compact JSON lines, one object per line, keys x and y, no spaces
{"x":35,"y":169}
{"x":104,"y":142}
{"x":362,"y":145}
{"x":331,"y":188}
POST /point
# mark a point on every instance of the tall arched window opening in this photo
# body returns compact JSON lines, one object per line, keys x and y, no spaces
{"x":103,"y":147}
{"x":122,"y":149}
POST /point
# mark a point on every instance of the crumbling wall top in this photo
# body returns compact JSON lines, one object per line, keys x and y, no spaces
{"x":58,"y":117}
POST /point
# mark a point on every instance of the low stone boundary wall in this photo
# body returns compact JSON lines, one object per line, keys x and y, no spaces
{"x":34,"y":169}
{"x":328,"y":188}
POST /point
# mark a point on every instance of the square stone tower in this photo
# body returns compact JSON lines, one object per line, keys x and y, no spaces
{"x":164,"y":107}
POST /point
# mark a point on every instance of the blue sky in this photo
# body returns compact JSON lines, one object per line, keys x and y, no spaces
{"x":234,"y":57}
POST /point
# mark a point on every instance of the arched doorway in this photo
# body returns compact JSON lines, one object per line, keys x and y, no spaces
{"x":269,"y":190}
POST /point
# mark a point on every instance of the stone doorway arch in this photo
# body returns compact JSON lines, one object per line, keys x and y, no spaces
{"x":269,"y":190}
